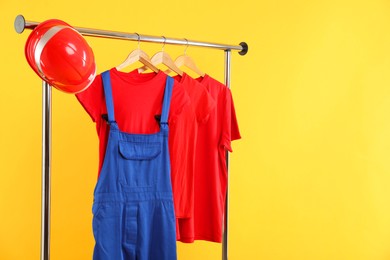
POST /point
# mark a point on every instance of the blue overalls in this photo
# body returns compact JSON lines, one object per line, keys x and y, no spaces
{"x":133,"y":203}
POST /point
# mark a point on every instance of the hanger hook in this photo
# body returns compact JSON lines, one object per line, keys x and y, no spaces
{"x":165,"y":40}
{"x":187,"y":44}
{"x":138,"y":38}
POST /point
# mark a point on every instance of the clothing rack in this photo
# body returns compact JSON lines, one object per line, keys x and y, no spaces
{"x":21,"y":24}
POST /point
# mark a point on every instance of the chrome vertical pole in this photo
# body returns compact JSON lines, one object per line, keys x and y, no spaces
{"x":226,"y":215}
{"x":46,"y":170}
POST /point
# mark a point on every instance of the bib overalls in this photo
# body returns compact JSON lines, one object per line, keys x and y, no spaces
{"x":133,"y":203}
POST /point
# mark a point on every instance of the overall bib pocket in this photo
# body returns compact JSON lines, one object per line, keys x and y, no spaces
{"x":138,"y":163}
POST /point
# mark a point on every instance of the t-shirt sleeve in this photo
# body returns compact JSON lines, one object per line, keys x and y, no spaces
{"x":235,"y":134}
{"x":204,"y":104}
{"x":230,"y":126}
{"x":92,"y":98}
{"x":179,"y":100}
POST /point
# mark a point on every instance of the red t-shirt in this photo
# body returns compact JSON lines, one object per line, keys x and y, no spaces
{"x":210,"y":178}
{"x":202,"y":105}
{"x":137,"y":101}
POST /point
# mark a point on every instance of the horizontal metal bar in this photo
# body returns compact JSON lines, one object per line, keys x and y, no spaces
{"x":21,"y":24}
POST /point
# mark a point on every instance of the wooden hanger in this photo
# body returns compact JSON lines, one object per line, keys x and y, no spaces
{"x":185,"y":60}
{"x":137,"y":55}
{"x":162,"y":57}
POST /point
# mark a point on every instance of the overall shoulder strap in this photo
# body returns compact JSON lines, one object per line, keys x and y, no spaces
{"x":108,"y":95}
{"x":167,"y":100}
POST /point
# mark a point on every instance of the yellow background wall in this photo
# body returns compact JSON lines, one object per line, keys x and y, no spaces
{"x":310,"y":180}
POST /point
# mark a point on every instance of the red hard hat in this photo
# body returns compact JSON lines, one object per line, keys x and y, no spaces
{"x":61,"y":56}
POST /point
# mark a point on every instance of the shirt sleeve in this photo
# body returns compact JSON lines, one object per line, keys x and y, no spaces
{"x":92,"y":99}
{"x":230,"y":126}
{"x":179,"y":101}
{"x":204,"y":104}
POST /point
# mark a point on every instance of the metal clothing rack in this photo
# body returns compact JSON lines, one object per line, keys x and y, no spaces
{"x":20,"y":25}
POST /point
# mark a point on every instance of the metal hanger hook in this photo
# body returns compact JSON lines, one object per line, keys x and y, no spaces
{"x":165,"y":40}
{"x":187,"y":44}
{"x":139,"y":39}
